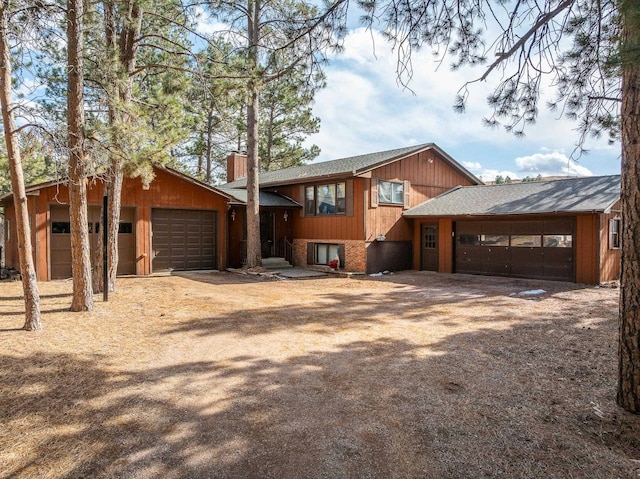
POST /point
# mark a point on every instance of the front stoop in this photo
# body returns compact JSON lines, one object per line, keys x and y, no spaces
{"x":275,"y":263}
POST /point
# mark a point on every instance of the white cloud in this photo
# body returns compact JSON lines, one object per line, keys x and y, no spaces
{"x":550,"y":164}
{"x":207,"y":25}
{"x":472,"y":165}
{"x":363,"y":109}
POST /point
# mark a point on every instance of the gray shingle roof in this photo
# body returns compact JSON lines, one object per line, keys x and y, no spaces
{"x":572,"y":195}
{"x":345,"y":166}
{"x":266,"y":198}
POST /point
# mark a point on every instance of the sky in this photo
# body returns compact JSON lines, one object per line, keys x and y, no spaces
{"x":364,"y":110}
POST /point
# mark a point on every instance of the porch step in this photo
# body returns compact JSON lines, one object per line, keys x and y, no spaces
{"x":275,"y":263}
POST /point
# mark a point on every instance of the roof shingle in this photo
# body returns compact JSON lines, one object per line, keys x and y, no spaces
{"x":345,"y":166}
{"x":571,"y":195}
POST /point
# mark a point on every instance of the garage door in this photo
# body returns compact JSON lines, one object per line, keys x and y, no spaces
{"x":541,"y":249}
{"x":183,"y":239}
{"x":60,"y":247}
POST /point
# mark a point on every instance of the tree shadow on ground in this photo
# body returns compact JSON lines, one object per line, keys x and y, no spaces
{"x":334,"y":312}
{"x":469,"y":405}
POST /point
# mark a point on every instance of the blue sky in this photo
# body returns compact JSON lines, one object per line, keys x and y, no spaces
{"x":363,"y":109}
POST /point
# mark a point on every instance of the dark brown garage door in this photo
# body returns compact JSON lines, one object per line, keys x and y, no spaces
{"x":60,"y":249}
{"x":541,"y":249}
{"x":183,"y":239}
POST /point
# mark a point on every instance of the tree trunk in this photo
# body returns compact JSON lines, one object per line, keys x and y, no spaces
{"x":209,"y":143}
{"x":23,"y":230}
{"x":125,"y":59}
{"x":254,"y":250}
{"x":80,"y":256}
{"x":629,"y":317}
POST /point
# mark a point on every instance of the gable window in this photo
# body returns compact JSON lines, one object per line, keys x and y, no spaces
{"x":326,"y":199}
{"x":390,"y":192}
{"x":614,"y":233}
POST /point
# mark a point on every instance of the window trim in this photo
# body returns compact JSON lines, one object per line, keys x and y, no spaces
{"x":392,"y":184}
{"x":311,"y":206}
{"x":614,"y":236}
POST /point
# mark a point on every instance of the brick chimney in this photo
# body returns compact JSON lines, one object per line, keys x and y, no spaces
{"x":236,"y":166}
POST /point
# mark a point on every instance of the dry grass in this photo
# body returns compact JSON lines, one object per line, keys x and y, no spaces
{"x":222,"y":375}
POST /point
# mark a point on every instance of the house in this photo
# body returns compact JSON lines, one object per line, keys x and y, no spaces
{"x":174,"y":223}
{"x":407,"y":208}
{"x":567,"y":229}
{"x":350,"y":208}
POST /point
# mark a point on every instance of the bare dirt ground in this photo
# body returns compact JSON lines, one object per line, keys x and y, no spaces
{"x":413,"y":375}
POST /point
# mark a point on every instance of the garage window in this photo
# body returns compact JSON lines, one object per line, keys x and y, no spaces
{"x":61,"y":227}
{"x":469,"y":240}
{"x":526,"y":241}
{"x":495,"y":240}
{"x":557,"y":241}
{"x":614,"y":233}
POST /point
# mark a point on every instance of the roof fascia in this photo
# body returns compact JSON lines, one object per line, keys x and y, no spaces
{"x":495,"y":215}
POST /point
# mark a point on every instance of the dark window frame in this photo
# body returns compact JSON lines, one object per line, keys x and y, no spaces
{"x":313,"y":206}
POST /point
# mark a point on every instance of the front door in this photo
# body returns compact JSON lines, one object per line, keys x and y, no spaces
{"x":429,"y":239}
{"x":267,"y":233}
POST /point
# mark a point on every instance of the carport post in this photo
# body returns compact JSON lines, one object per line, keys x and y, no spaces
{"x":105,"y":249}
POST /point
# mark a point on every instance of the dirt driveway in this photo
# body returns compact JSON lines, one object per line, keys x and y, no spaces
{"x":412,"y":375}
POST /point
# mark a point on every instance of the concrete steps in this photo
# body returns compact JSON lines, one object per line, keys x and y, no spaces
{"x":275,"y":263}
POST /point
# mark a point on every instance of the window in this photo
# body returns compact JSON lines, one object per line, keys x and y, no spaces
{"x":60,"y":227}
{"x":325,"y":253}
{"x":557,"y":241}
{"x":495,"y":240}
{"x":430,"y":238}
{"x":615,"y":225}
{"x":526,"y":241}
{"x":468,"y":240}
{"x":7,"y":229}
{"x":124,"y":227}
{"x":390,"y":192}
{"x":327,"y":199}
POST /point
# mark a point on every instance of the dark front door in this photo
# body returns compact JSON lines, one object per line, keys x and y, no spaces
{"x":267,"y":233}
{"x":429,"y":238}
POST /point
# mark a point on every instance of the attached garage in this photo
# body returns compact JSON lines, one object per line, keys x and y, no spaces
{"x":564,"y":230}
{"x":541,"y":249}
{"x":183,"y":239}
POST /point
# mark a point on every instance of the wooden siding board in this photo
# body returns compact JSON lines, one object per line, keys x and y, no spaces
{"x":343,"y":227}
{"x":609,"y":258}
{"x":427,"y":174}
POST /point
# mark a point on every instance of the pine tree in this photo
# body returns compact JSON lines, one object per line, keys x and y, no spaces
{"x":591,"y":51}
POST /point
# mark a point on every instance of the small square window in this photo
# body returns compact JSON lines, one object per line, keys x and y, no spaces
{"x":390,"y":192}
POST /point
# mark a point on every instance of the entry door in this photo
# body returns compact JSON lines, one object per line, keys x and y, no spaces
{"x":267,"y":233}
{"x":429,"y":239}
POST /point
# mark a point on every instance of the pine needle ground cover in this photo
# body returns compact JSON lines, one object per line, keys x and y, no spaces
{"x":226,"y":375}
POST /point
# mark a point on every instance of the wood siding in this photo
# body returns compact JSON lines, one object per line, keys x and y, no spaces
{"x":427,"y":174}
{"x":587,"y":249}
{"x":165,"y":191}
{"x":337,"y":227}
